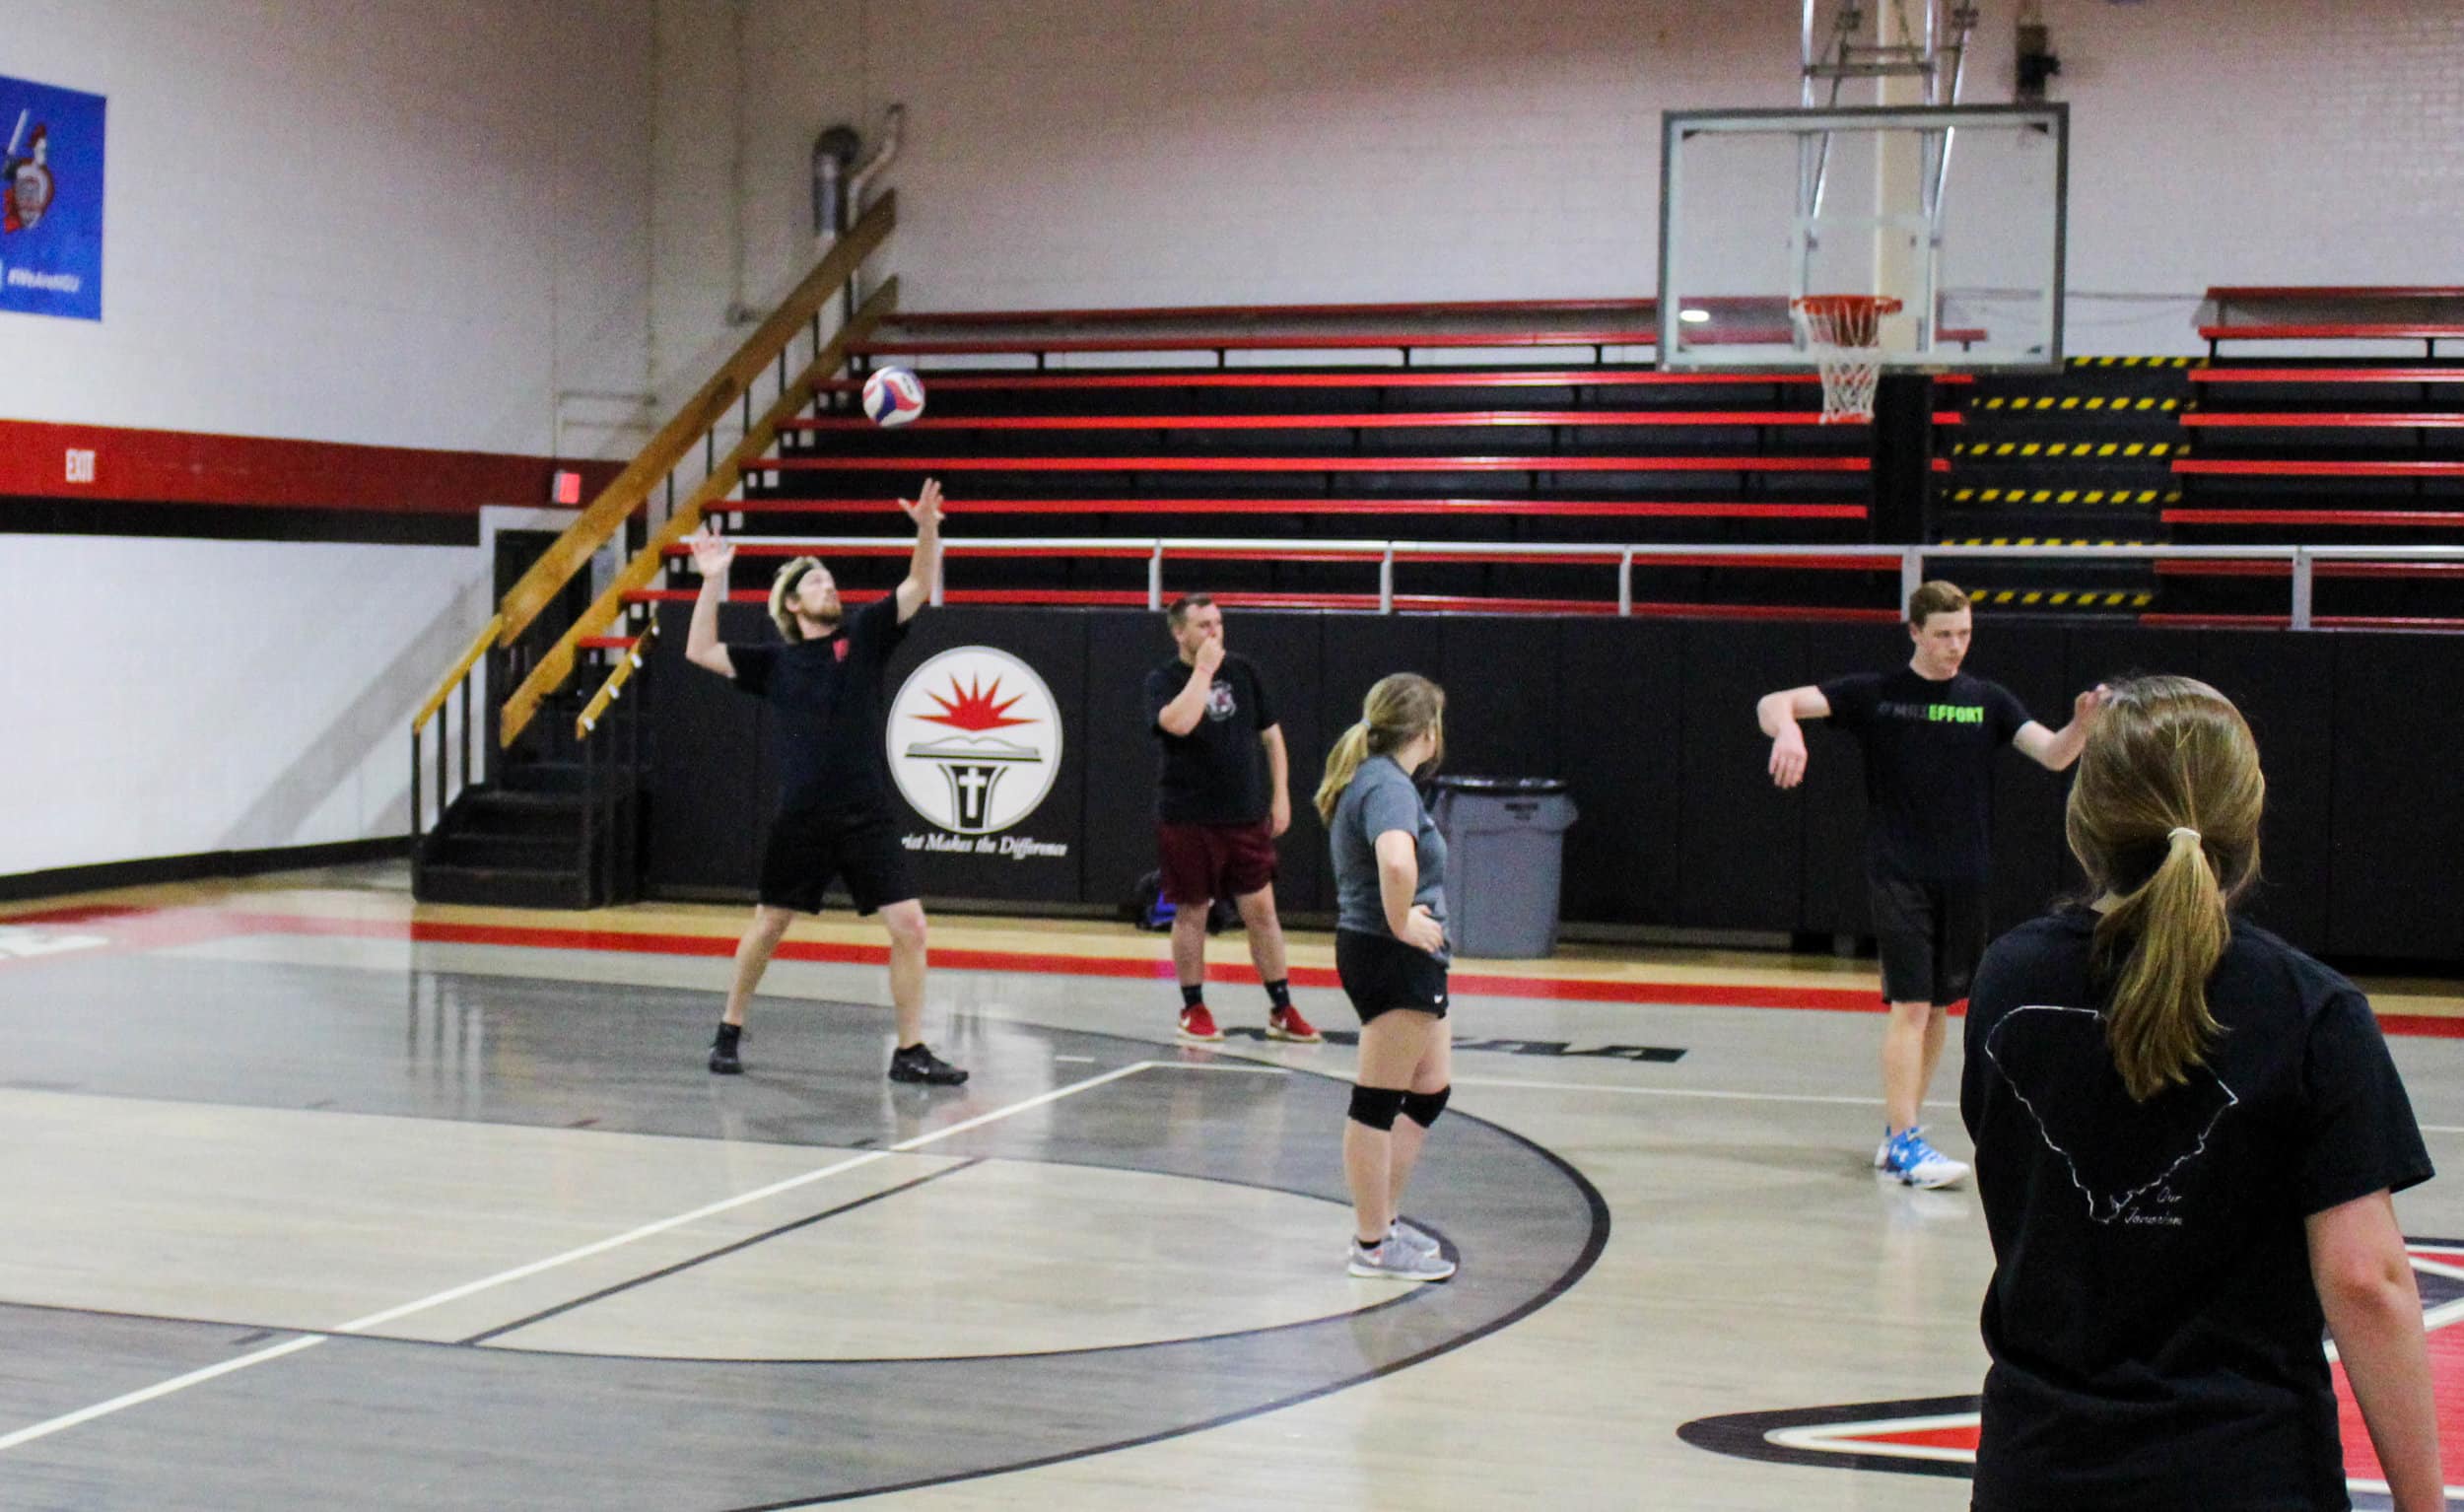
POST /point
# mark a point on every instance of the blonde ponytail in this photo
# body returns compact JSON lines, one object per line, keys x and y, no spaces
{"x":1400,"y":708}
{"x":1343,"y":763}
{"x":2159,"y":943}
{"x":2164,"y":816}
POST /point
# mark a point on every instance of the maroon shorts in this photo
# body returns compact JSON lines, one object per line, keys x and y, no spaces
{"x":1206,"y":862}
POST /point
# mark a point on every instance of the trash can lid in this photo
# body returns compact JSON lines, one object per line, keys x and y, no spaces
{"x":1505,"y":787}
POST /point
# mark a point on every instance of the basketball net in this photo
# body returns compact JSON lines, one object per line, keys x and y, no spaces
{"x":1843,"y":331}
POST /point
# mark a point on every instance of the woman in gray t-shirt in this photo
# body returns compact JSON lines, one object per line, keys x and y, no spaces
{"x":1390,"y":951}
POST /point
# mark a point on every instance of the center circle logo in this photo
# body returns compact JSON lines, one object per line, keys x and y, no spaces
{"x":974,"y":739}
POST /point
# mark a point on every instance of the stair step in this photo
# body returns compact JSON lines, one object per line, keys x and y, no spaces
{"x":465,"y":847}
{"x":503,"y":886}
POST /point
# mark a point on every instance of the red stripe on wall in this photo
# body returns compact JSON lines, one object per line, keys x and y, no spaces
{"x":42,"y":460}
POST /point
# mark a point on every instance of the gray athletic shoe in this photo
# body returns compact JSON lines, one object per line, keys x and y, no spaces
{"x":1412,"y":1237}
{"x":1394,"y":1261}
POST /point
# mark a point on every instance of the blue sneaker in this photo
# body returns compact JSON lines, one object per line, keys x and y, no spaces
{"x":1912,"y":1162}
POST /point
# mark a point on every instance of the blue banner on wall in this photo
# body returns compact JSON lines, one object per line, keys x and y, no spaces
{"x":50,"y":201}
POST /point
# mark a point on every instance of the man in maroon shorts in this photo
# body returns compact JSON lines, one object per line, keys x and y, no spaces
{"x":1223,"y":799}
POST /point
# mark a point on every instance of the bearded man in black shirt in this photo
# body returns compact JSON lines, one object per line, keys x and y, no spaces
{"x":1930,"y":734}
{"x":834,"y":817}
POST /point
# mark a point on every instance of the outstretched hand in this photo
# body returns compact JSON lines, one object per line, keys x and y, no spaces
{"x":926,"y":507}
{"x":2086,"y":707}
{"x":713,"y":553}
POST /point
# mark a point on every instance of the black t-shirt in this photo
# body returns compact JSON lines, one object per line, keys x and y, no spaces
{"x":1216,"y":774}
{"x":825,"y":712}
{"x":1929,"y":767}
{"x":2154,"y":1326}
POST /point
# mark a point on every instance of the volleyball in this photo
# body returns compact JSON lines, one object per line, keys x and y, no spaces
{"x":893,"y":397}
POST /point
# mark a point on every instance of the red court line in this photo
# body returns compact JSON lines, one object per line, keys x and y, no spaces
{"x":164,"y":927}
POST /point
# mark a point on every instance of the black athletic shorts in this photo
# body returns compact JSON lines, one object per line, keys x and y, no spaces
{"x":1932,"y":935}
{"x":1379,"y":972}
{"x":806,"y":852}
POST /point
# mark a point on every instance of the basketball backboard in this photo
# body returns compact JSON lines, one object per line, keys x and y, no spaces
{"x":1955,"y":211}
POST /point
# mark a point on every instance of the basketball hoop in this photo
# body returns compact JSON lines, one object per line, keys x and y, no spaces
{"x":1843,"y":331}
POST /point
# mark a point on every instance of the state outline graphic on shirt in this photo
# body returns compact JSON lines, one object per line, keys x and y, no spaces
{"x":2128,"y":1126}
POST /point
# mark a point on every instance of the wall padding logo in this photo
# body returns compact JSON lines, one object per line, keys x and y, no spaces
{"x":975,"y":739}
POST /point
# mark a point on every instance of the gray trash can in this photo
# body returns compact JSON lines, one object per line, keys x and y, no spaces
{"x":1505,"y":854}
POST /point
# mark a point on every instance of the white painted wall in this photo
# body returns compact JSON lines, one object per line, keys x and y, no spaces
{"x":171,"y":697}
{"x":398,"y":222}
{"x":1142,"y":152}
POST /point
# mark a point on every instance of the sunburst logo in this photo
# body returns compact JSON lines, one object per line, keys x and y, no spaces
{"x":974,"y":740}
{"x":975,"y":709}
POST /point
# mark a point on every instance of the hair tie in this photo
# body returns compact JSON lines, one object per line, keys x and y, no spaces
{"x":2179,"y":830}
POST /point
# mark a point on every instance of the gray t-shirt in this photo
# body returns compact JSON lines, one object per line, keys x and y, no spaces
{"x":1381,"y":797}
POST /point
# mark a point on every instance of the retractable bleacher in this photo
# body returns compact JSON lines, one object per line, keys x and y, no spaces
{"x":2327,"y":416}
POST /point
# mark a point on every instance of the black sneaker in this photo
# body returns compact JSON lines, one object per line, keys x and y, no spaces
{"x":915,"y":1063}
{"x":722,"y":1051}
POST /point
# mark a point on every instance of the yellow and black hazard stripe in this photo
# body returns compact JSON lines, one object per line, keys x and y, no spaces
{"x":2132,"y":362}
{"x":2062,"y":598}
{"x":2113,"y":405}
{"x":2096,"y":450}
{"x":2031,"y":540}
{"x":2122,"y":496}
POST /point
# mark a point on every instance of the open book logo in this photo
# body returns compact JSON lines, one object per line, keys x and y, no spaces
{"x":974,"y":739}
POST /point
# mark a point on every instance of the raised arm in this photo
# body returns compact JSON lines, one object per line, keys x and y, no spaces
{"x":1778,"y":713}
{"x":1280,"y":774}
{"x":712,"y":555}
{"x":2055,"y":749}
{"x":1189,"y":706}
{"x":2373,"y":1310}
{"x":1399,"y":877}
{"x":924,"y":570}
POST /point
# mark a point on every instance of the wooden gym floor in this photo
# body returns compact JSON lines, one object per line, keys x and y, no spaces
{"x":322,"y":1199}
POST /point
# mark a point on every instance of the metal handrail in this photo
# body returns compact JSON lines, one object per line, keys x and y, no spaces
{"x":716,"y":401}
{"x":479,"y":648}
{"x":1911,"y":558}
{"x":723,"y":476}
{"x":613,"y":687}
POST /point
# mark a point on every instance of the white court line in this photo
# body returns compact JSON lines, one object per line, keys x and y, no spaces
{"x":1736,"y":1097}
{"x":518,"y":1273}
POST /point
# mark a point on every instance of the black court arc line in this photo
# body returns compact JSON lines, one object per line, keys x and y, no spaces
{"x":1562,"y":1283}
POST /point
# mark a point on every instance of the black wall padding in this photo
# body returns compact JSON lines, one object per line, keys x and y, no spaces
{"x":1652,"y":722}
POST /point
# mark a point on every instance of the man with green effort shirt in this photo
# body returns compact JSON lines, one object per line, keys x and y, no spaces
{"x":1930,"y":734}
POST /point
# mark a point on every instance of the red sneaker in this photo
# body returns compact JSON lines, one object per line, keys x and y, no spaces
{"x":1199,"y":1024}
{"x":1287,"y":1024}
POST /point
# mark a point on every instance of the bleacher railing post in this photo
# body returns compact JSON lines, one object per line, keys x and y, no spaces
{"x":1155,"y":580}
{"x":1911,"y":574}
{"x":1625,"y":583}
{"x":416,"y":777}
{"x":2301,"y":584}
{"x":1385,"y":580}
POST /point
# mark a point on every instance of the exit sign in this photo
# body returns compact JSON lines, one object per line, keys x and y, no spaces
{"x":80,"y":465}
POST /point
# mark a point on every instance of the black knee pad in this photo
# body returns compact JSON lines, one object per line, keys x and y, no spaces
{"x":1422,"y":1108}
{"x":1377,"y":1106}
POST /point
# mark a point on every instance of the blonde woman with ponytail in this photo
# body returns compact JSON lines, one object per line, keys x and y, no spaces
{"x":2187,"y":1134}
{"x":1390,"y":951}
